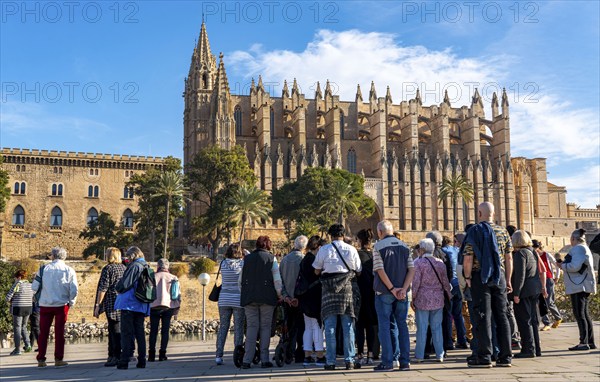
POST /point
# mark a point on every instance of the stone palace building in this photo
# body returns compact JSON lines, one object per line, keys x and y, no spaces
{"x":403,"y":149}
{"x":55,"y":194}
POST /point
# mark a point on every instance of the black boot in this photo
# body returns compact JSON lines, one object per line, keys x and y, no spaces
{"x":162,"y":355}
{"x":151,"y":355}
{"x":141,"y":363}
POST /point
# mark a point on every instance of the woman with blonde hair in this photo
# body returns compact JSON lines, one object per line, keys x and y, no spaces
{"x":105,"y":303}
{"x":527,"y":287}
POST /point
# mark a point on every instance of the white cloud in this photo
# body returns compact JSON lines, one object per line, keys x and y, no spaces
{"x":548,"y":128}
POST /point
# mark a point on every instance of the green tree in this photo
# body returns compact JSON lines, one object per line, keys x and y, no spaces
{"x":103,"y":233}
{"x":454,"y":187}
{"x":170,"y":187}
{"x":249,"y":203}
{"x":4,"y":189}
{"x":7,"y":271}
{"x":212,"y":176}
{"x":150,"y":216}
{"x":321,"y":197}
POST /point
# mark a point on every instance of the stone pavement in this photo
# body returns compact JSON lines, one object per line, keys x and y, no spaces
{"x":194,"y":361}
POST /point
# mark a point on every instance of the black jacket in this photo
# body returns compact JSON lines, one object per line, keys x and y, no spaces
{"x":310,"y":301}
{"x":526,"y":276}
{"x":258,"y":286}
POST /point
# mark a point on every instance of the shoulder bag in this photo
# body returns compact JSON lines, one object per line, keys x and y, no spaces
{"x":216,"y":290}
{"x":447,"y":303}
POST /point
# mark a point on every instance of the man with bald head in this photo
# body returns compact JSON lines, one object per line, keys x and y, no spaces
{"x":487,"y":268}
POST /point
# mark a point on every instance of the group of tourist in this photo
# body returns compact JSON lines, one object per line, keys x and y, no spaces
{"x":491,"y":284}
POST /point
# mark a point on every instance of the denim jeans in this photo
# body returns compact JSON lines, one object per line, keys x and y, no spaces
{"x":330,"y":323}
{"x":225,"y":313}
{"x":432,"y":319}
{"x":552,"y":309}
{"x":132,"y":331}
{"x":489,"y":302}
{"x":455,"y":315}
{"x":162,"y":317}
{"x":20,"y":331}
{"x":387,"y":306}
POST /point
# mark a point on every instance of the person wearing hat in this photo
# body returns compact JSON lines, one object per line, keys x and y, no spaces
{"x":552,"y":273}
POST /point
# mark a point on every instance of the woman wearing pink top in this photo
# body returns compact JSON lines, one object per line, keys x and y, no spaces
{"x":162,"y":310}
{"x":428,"y":288}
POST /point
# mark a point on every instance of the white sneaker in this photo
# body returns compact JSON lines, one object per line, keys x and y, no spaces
{"x":396,"y":363}
{"x":219,"y":361}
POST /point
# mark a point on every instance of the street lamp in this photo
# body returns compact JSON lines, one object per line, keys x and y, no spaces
{"x":29,"y":236}
{"x":204,"y":279}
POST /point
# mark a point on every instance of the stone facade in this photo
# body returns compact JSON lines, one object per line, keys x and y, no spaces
{"x":55,"y":194}
{"x":404,"y":150}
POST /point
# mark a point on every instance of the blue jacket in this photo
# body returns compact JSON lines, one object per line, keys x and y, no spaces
{"x":126,"y":289}
{"x":483,"y":241}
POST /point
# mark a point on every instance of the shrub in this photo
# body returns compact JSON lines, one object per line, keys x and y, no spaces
{"x":31,"y":266}
{"x":179,"y":269}
{"x":202,"y":265}
{"x":7,"y":271}
{"x":563,"y":303}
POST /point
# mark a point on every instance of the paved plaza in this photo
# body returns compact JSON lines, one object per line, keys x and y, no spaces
{"x":194,"y":361}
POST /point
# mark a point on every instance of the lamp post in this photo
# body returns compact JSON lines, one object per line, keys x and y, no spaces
{"x":29,"y":236}
{"x":204,"y":279}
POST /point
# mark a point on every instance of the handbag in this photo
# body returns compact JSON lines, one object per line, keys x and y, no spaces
{"x":216,"y":290}
{"x":447,"y":302}
{"x":543,"y":305}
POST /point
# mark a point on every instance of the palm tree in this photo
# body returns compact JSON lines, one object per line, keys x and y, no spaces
{"x":341,"y":201}
{"x":249,"y":203}
{"x":454,"y":187}
{"x":170,"y":185}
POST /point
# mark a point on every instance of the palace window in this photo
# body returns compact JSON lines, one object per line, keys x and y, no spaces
{"x":19,"y":188}
{"x":56,"y":217}
{"x":92,"y":216}
{"x":128,"y":192}
{"x":237,"y":116}
{"x":94,"y":172}
{"x":93,"y":191}
{"x":351,"y":158}
{"x":57,"y":189}
{"x":18,"y":217}
{"x":128,"y":218}
{"x":58,"y":170}
{"x":20,"y":168}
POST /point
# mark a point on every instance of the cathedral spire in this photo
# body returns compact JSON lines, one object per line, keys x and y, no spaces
{"x":372,"y":92}
{"x":388,"y":95}
{"x":446,"y":98}
{"x":221,"y":82}
{"x":327,"y":89}
{"x":318,"y":93}
{"x":285,"y":92}
{"x":477,"y":99}
{"x":358,"y":93}
{"x":418,"y":97}
{"x":252,"y":86}
{"x":260,"y":84}
{"x":203,"y":48}
{"x":504,"y":103}
{"x":295,"y":87}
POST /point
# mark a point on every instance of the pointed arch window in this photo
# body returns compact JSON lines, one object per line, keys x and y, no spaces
{"x":237,"y":116}
{"x":16,"y":190}
{"x":90,"y":191}
{"x":351,"y":159}
{"x":23,"y":188}
{"x":18,"y":217}
{"x":128,"y":218}
{"x":92,"y":216}
{"x":60,"y":190}
{"x":272,"y":122}
{"x":56,"y":217}
{"x":342,"y":123}
{"x":96,"y":191}
{"x":57,"y":189}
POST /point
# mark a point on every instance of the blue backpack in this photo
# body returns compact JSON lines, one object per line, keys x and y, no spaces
{"x":175,"y":290}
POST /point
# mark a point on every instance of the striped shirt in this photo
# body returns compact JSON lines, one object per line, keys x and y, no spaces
{"x":230,"y":291}
{"x":20,"y":296}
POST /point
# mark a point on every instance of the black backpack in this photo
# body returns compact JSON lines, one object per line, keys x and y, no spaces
{"x":145,"y":291}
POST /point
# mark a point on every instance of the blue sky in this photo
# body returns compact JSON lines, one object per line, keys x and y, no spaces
{"x":107,"y":77}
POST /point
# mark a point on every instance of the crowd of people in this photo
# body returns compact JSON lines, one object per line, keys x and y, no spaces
{"x":486,"y":289}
